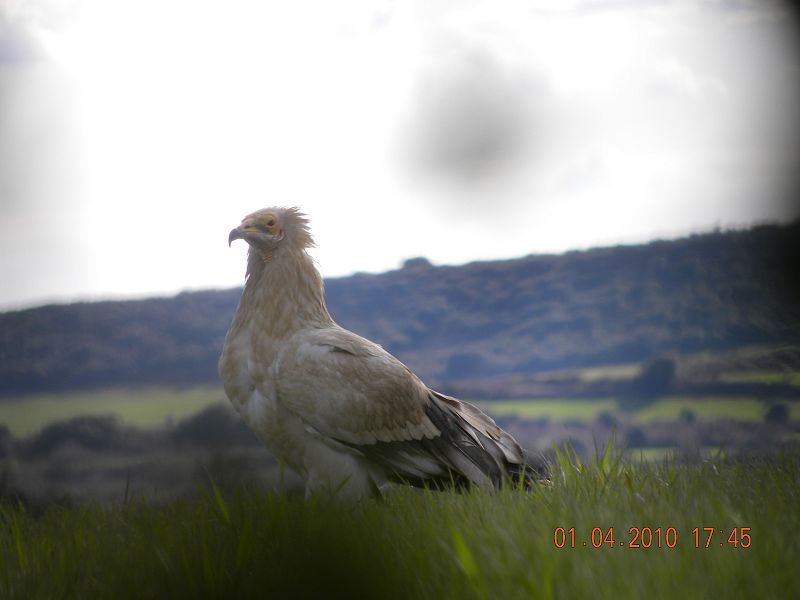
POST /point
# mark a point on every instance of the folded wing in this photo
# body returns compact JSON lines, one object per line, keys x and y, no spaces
{"x":352,"y":392}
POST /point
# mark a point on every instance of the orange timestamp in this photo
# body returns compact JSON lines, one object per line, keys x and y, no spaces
{"x":649,"y":537}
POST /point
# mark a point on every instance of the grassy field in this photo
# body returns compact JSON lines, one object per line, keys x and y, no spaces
{"x":247,"y":543}
{"x":144,"y":407}
{"x":153,"y":406}
{"x":742,"y":409}
{"x":558,"y":409}
{"x":786,"y":377}
{"x":668,"y":408}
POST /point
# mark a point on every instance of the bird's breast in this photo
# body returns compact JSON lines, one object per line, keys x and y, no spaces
{"x":248,"y":368}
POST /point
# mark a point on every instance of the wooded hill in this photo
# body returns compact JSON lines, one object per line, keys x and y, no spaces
{"x":714,"y":291}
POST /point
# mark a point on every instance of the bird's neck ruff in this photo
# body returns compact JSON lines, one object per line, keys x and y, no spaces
{"x":284,"y":292}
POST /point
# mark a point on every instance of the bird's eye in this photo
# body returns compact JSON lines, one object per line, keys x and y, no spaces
{"x":271,"y":222}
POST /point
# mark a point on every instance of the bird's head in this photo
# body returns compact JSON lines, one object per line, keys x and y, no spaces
{"x":269,"y":229}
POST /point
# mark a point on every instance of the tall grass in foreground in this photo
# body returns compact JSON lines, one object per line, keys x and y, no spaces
{"x":415,"y":544}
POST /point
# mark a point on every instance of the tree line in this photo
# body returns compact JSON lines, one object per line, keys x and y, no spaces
{"x":713,"y":291}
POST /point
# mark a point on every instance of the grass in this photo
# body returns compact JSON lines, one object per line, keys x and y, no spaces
{"x":144,"y":407}
{"x":247,"y":543}
{"x":662,"y":453}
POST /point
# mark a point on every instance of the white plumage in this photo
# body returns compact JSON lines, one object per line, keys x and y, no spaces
{"x":338,"y":409}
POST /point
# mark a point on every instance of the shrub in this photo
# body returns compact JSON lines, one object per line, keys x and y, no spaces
{"x":215,"y":427}
{"x":777,"y":413}
{"x":98,"y":433}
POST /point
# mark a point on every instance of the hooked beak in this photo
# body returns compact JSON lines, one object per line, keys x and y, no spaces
{"x":252,"y":234}
{"x":236,"y":234}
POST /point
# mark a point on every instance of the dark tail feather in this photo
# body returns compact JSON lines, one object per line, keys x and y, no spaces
{"x":534,"y":470}
{"x":478,"y":448}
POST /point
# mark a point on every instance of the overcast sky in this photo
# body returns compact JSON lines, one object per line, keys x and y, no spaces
{"x":135,"y":134}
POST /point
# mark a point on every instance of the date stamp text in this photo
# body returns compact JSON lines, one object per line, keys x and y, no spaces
{"x":700,"y":538}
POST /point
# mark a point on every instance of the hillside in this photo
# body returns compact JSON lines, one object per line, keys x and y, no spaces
{"x":715,"y":291}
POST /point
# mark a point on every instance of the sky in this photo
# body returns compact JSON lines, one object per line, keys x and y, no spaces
{"x":135,"y":135}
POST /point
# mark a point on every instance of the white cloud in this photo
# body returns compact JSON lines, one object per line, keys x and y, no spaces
{"x":673,"y":79}
{"x":138,"y":134}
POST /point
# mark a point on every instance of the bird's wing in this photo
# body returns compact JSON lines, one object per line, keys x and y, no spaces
{"x":350,"y":389}
{"x":354,"y":392}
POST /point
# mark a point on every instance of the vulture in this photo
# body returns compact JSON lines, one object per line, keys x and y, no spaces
{"x":349,"y":417}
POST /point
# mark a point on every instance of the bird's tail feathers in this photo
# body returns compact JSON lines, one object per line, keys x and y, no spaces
{"x":478,"y":448}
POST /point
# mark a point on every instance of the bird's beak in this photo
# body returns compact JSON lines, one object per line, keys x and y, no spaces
{"x":252,"y":233}
{"x":236,"y":233}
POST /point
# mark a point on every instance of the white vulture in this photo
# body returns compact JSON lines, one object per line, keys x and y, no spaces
{"x":341,"y":411}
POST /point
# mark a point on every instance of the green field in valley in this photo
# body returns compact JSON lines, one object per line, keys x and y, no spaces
{"x":558,"y":409}
{"x":743,"y":409}
{"x":151,"y":407}
{"x":146,"y":407}
{"x":667,"y":408}
{"x":786,"y":377}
